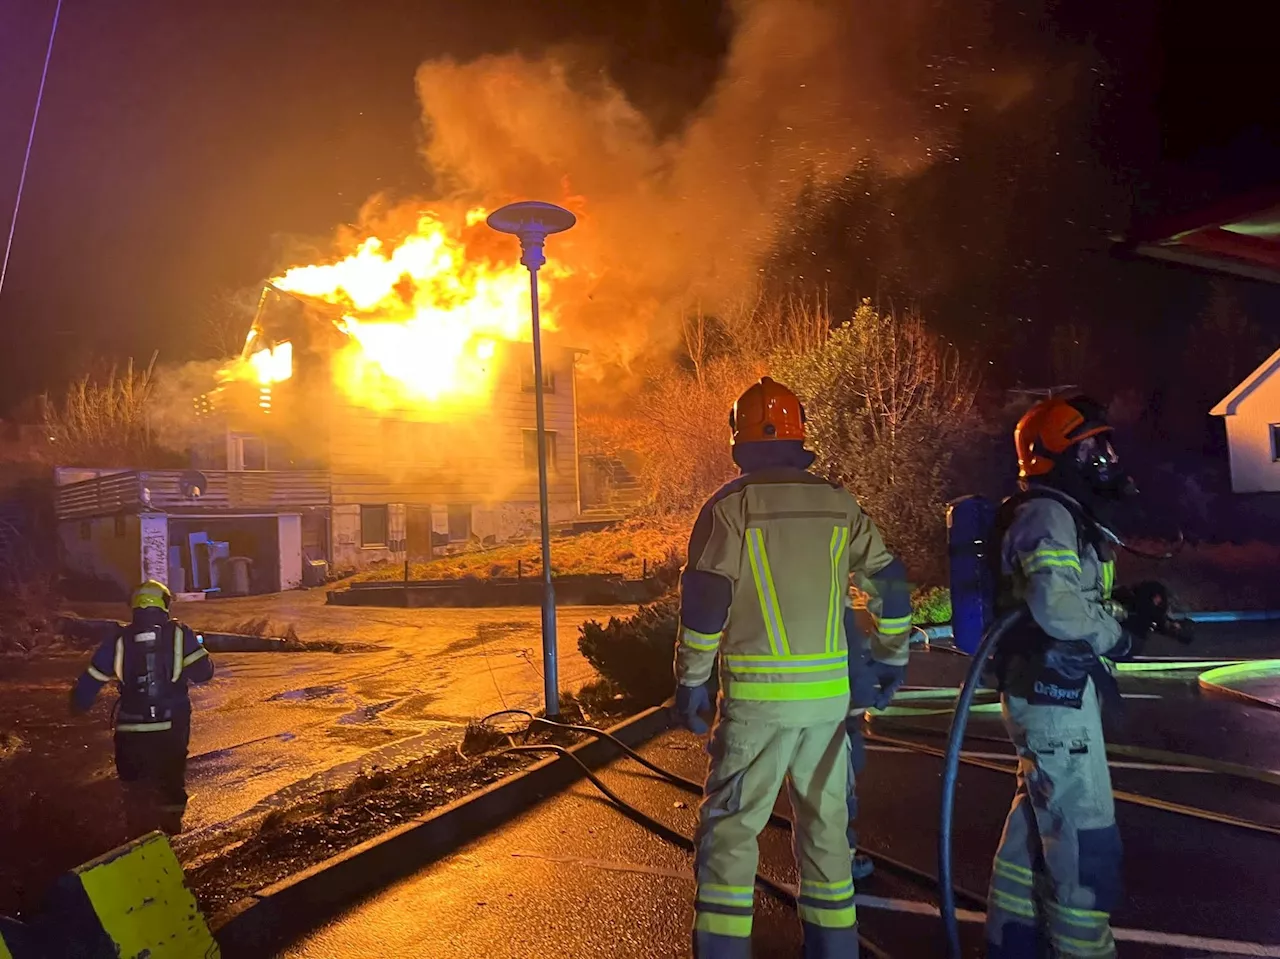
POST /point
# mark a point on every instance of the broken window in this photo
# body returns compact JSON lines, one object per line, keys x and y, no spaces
{"x":373,"y":525}
{"x":526,"y":374}
{"x":531,"y":450}
{"x":246,"y":452}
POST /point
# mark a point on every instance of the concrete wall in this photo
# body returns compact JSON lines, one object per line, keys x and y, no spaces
{"x":107,"y":548}
{"x":1253,"y":468}
{"x":500,"y":521}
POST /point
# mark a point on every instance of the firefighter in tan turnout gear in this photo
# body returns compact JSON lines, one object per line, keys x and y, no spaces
{"x":1056,"y":875}
{"x":765,"y":588}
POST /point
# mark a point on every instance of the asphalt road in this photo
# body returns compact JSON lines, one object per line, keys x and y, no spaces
{"x":270,"y":728}
{"x":573,"y":877}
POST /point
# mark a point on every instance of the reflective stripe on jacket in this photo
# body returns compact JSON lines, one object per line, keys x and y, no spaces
{"x":782,"y":542}
{"x":1059,"y":575}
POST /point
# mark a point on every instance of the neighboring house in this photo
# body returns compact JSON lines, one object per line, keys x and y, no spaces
{"x":1252,"y":415}
{"x":293,"y":473}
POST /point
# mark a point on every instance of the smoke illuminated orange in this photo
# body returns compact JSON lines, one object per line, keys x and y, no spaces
{"x":421,"y":316}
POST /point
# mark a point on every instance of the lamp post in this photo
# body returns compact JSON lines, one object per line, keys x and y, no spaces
{"x":532,"y":222}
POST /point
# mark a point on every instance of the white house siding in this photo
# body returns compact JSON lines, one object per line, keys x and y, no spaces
{"x":1249,"y":419}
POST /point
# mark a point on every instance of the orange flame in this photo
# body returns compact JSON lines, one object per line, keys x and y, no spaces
{"x":421,"y":316}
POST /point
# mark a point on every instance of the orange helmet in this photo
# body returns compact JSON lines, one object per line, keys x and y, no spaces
{"x":766,"y":411}
{"x":1053,"y":426}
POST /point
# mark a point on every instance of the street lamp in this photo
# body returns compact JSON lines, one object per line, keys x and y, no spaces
{"x":533,"y":221}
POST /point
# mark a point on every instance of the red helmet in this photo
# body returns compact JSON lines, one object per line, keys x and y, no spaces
{"x":766,"y":411}
{"x":1053,"y":426}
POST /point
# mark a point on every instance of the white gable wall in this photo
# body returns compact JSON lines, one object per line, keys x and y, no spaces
{"x":1253,"y":468}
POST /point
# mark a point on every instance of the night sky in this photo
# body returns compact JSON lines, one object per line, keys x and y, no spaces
{"x":181,"y":144}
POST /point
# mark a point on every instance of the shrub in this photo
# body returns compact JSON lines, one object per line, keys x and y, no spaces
{"x":931,"y":606}
{"x":635,"y":654}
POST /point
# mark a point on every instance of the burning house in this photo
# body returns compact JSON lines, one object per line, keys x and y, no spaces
{"x":382,"y":410}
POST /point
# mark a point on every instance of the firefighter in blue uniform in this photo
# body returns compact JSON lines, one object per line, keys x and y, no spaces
{"x":151,"y":660}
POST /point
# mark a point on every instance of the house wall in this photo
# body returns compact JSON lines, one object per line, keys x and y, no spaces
{"x":107,"y":548}
{"x":477,"y":461}
{"x":1253,"y":470}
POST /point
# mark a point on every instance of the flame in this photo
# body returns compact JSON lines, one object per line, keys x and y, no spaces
{"x":422,"y":316}
{"x":273,"y":364}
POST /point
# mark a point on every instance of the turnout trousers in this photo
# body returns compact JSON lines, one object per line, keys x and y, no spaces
{"x":750,"y":762}
{"x":152,"y":767}
{"x":1056,"y":875}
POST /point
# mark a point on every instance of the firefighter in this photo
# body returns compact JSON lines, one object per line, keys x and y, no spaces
{"x":151,"y":661}
{"x":1056,"y":875}
{"x":765,"y":588}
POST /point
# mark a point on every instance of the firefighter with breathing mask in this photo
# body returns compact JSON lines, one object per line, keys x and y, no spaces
{"x":1056,"y":875}
{"x":766,"y":588}
{"x":151,"y":660}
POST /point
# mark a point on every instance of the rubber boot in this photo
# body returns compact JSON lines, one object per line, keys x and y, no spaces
{"x":708,"y":945}
{"x":822,"y":943}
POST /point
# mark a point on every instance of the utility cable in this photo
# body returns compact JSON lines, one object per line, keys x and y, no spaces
{"x":31,"y":139}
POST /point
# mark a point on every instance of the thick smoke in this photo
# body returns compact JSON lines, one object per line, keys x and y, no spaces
{"x":808,"y":90}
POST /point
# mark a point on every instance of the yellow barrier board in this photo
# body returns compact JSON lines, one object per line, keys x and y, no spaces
{"x":139,"y":895}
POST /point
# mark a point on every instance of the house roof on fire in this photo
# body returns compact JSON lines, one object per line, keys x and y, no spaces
{"x":1239,"y":236}
{"x":1230,"y":404}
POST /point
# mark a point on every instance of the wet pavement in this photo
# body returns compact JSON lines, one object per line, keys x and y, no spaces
{"x":573,"y":877}
{"x":271,"y":728}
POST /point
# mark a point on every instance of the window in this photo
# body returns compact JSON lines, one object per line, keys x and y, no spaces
{"x":246,"y":452}
{"x":1275,"y":442}
{"x":526,"y":375}
{"x":459,"y":523}
{"x":373,"y":526}
{"x":531,"y":450}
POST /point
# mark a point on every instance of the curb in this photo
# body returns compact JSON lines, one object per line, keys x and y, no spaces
{"x":271,"y":918}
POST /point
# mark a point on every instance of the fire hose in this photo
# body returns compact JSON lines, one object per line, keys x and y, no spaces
{"x":1214,"y":675}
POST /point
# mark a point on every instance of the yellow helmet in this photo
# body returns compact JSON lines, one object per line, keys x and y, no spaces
{"x":151,"y":594}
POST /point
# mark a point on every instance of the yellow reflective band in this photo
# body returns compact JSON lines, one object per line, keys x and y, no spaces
{"x":835,"y":604}
{"x":766,"y":592}
{"x":1051,"y":558}
{"x":98,"y":674}
{"x":1108,"y":578}
{"x":199,"y":653}
{"x":788,"y":691}
{"x":1104,"y":945}
{"x":742,"y":900}
{"x":718,"y":924}
{"x":703,"y":642}
{"x":1013,"y":904}
{"x":119,"y":663}
{"x":893,"y":626}
{"x":843,"y":918}
{"x":785,"y":668}
{"x":1013,"y":871}
{"x":143,"y":727}
{"x":829,"y":891}
{"x":177,"y":653}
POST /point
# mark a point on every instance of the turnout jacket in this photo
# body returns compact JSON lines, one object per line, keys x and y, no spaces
{"x":1065,"y":577}
{"x":766,"y":587}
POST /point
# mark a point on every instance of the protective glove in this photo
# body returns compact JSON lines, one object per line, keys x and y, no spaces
{"x":1146,"y":607}
{"x":888,"y":680}
{"x":690,"y":702}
